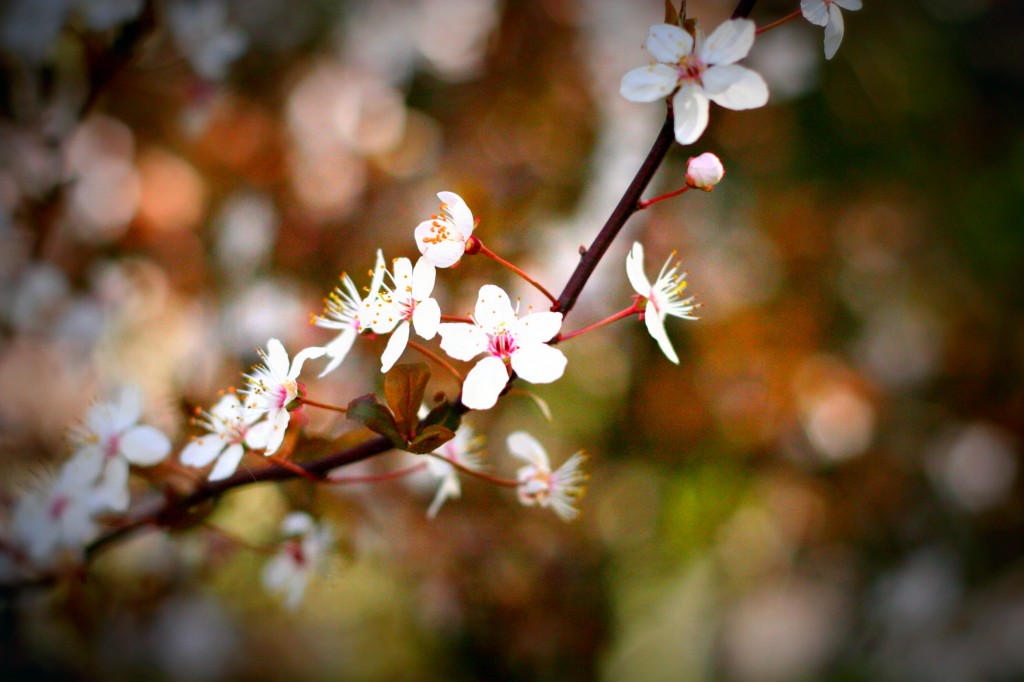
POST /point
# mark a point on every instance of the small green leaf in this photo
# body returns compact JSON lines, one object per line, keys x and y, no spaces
{"x":403,"y":388}
{"x":430,"y":438}
{"x":445,"y":415}
{"x":368,"y":411}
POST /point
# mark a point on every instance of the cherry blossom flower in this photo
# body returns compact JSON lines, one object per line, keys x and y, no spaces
{"x":692,"y":71}
{"x":507,"y":341}
{"x":112,"y":437}
{"x":304,"y":551}
{"x":404,"y":305}
{"x":232,"y":428}
{"x":704,"y":171}
{"x":56,"y":519}
{"x":274,"y":386}
{"x":826,"y":13}
{"x":664,"y":297}
{"x":350,"y":313}
{"x":538,"y":485}
{"x":443,"y":239}
{"x":464,"y":450}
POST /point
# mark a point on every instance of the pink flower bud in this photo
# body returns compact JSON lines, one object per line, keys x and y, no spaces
{"x":704,"y":171}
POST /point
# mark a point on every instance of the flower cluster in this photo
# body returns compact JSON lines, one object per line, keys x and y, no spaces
{"x":54,"y":520}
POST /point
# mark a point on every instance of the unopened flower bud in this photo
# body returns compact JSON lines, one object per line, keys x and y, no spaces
{"x":704,"y":171}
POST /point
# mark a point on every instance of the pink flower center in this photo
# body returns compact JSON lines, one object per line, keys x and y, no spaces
{"x":112,"y":446}
{"x":293,"y":548}
{"x":502,"y":345}
{"x":690,"y":69}
{"x":59,"y":506}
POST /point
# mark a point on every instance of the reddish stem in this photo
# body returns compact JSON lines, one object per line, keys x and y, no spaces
{"x":490,"y":254}
{"x":438,"y":359}
{"x":295,"y":469}
{"x":496,"y":480}
{"x":456,"y":318}
{"x":778,"y":22}
{"x":325,"y":406}
{"x":378,"y":478}
{"x":631,"y":310}
{"x":644,"y":203}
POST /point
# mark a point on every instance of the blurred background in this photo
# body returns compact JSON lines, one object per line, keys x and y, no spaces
{"x":827,"y":487}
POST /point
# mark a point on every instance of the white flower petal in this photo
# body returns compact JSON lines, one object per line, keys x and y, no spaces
{"x":228,"y":408}
{"x":227,"y":464}
{"x":423,"y":276}
{"x":297,"y":523}
{"x":668,"y":43}
{"x":459,"y":211}
{"x":442,"y":253}
{"x":814,"y":11}
{"x":426,"y":318}
{"x":203,"y":450}
{"x":690,"y":108}
{"x":129,"y":407}
{"x":85,"y":466}
{"x":735,"y":87}
{"x":494,"y":311}
{"x":112,"y":489}
{"x":338,"y":349}
{"x":396,"y":346}
{"x":401,"y":270}
{"x":833,"y":31}
{"x":258,"y":435}
{"x":656,"y":328}
{"x":280,"y":425}
{"x":539,"y":363}
{"x":852,"y":5}
{"x":728,"y":43}
{"x":649,"y":83}
{"x":635,"y":270}
{"x":525,"y":447}
{"x":145,"y":445}
{"x":484,"y":384}
{"x":301,"y":357}
{"x":537,"y":327}
{"x":462,"y":341}
{"x":277,"y":358}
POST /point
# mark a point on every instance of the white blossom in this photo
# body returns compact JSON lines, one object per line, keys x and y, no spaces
{"x":232,"y":427}
{"x":112,"y":437}
{"x":693,"y":71}
{"x":507,"y":341}
{"x":826,"y":13}
{"x":304,"y":550}
{"x":464,"y":450}
{"x":350,"y":313}
{"x":56,"y":518}
{"x":538,"y":485}
{"x":403,"y":305}
{"x":274,"y":386}
{"x":664,"y":297}
{"x":443,"y":239}
{"x":704,"y":171}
